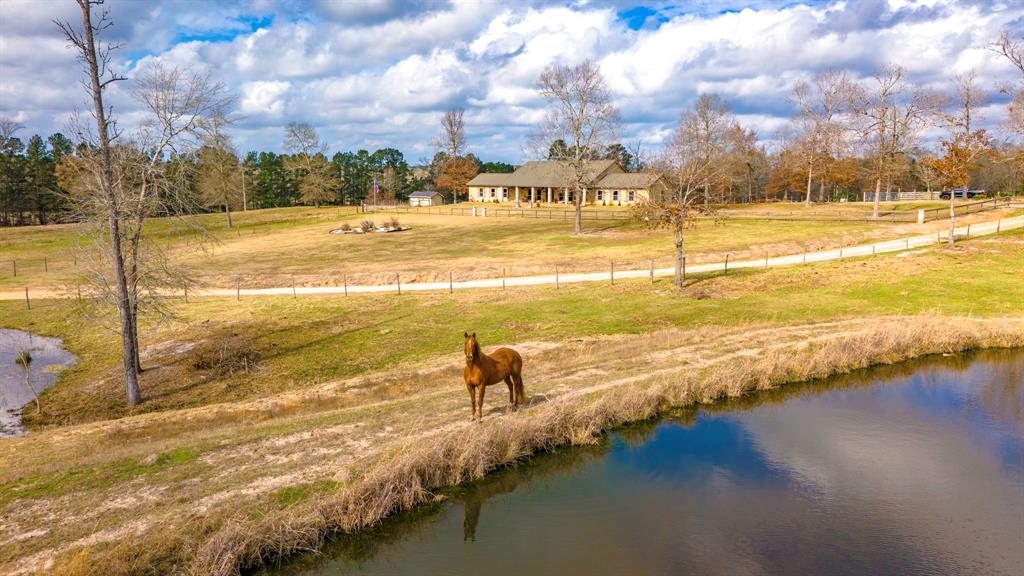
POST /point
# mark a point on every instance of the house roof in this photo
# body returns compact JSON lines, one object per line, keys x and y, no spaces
{"x":542,"y":174}
{"x":489,"y":180}
{"x":424,"y":194}
{"x":635,"y":181}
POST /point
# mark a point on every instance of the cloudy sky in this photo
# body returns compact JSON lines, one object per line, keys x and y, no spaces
{"x":377,"y":73}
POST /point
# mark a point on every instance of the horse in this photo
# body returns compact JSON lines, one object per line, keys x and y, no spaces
{"x":482,"y":370}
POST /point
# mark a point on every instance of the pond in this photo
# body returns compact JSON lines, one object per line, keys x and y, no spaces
{"x":17,"y":388}
{"x":915,"y":468}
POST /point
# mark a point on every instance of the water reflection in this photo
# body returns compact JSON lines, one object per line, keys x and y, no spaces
{"x":915,"y":468}
{"x":19,"y":384}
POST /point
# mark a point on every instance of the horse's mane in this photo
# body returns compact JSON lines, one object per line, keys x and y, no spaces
{"x":476,"y":349}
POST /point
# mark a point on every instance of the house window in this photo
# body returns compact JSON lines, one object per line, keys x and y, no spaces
{"x":492,"y":192}
{"x":615,"y":196}
{"x":632,"y":196}
{"x":504,"y":193}
{"x":600,"y":194}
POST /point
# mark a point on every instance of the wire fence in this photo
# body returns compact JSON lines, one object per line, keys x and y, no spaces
{"x":863,"y":214}
{"x":505,"y":277}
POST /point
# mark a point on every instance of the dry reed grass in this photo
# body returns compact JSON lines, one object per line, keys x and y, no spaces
{"x":409,"y":475}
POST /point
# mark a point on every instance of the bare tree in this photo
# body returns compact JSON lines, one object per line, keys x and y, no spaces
{"x":580,"y":113}
{"x":120,"y":186}
{"x":891,"y":114}
{"x":690,"y":160}
{"x":822,"y":103}
{"x":1010,"y":48}
{"x":453,"y":138}
{"x":8,"y":128}
{"x":318,"y":182}
{"x":1013,"y":50}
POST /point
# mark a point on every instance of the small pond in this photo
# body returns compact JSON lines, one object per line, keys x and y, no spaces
{"x":17,"y":388}
{"x":916,"y":468}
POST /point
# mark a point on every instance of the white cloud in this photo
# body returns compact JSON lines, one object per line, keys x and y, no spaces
{"x":382,"y":71}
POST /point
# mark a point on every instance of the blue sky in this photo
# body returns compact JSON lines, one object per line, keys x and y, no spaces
{"x":380,"y":72}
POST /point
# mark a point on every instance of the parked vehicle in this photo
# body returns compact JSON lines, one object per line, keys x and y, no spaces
{"x":959,"y":193}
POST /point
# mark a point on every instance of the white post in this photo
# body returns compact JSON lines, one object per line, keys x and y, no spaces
{"x":484,"y":210}
{"x":474,"y":211}
{"x":549,"y":194}
{"x":517,"y":196}
{"x":920,"y":216}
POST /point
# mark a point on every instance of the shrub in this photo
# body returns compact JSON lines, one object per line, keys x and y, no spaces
{"x":393,"y":223}
{"x":368,"y":226}
{"x":346,"y":227}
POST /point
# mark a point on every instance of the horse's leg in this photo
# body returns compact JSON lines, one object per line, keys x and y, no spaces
{"x":520,"y":391}
{"x":472,"y":400}
{"x":511,"y":389}
{"x":480,"y":401}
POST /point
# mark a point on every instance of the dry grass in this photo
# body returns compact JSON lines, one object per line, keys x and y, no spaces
{"x":410,"y":473}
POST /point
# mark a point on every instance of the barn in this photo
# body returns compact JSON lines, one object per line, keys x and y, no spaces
{"x":426,"y":198}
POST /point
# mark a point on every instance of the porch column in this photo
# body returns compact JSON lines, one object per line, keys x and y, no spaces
{"x":549,"y":194}
{"x":533,"y":195}
{"x":517,"y":196}
{"x":583,"y":199}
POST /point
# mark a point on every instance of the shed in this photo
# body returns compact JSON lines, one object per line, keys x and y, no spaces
{"x":426,"y":198}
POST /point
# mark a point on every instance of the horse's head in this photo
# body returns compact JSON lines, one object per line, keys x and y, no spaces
{"x":472,"y":348}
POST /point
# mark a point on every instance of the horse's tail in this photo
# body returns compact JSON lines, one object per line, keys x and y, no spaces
{"x":517,"y":379}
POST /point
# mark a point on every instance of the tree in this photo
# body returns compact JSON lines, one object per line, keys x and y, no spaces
{"x":455,"y":175}
{"x":121,"y":184}
{"x":580,"y":113}
{"x":622,"y":156}
{"x":891,"y":114}
{"x":965,"y":145}
{"x":453,"y":135}
{"x":689,"y":162}
{"x":318,"y":182}
{"x":220,"y":175}
{"x":821,"y":104}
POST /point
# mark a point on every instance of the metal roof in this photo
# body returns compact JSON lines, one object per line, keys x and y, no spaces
{"x":424,"y":194}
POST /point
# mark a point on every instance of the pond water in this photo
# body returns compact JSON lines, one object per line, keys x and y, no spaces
{"x":910,"y":469}
{"x":16,"y":392}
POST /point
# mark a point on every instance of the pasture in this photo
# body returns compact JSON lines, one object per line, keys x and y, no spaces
{"x":279,"y":247}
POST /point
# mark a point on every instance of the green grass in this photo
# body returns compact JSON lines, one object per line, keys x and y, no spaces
{"x":299,"y":342}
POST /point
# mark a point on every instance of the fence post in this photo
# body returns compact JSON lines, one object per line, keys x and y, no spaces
{"x":451,"y":285}
{"x":502,"y":278}
{"x":556,"y":278}
{"x":78,"y":289}
{"x":726,"y":262}
{"x":805,"y":255}
{"x":968,"y":230}
{"x":238,"y":288}
{"x":652,"y":271}
{"x":840,"y":252}
{"x":613,"y":272}
{"x":344,"y":279}
{"x":872,"y":249}
{"x":920,"y":216}
{"x":765,"y":260}
{"x":684,"y":267}
{"x":398,"y":282}
{"x":14,"y":265}
{"x":46,"y":266}
{"x":28,"y":304}
{"x":908,"y":242}
{"x":999,"y":223}
{"x":294,"y":294}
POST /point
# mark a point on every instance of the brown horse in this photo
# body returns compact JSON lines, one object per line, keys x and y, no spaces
{"x":482,"y":370}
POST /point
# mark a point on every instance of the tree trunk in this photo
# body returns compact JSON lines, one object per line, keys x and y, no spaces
{"x":810,"y":173}
{"x":577,"y":200}
{"x":821,"y":192}
{"x":227,"y":210}
{"x":678,"y":281}
{"x":128,"y":341}
{"x":878,"y":194}
{"x":952,"y":217}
